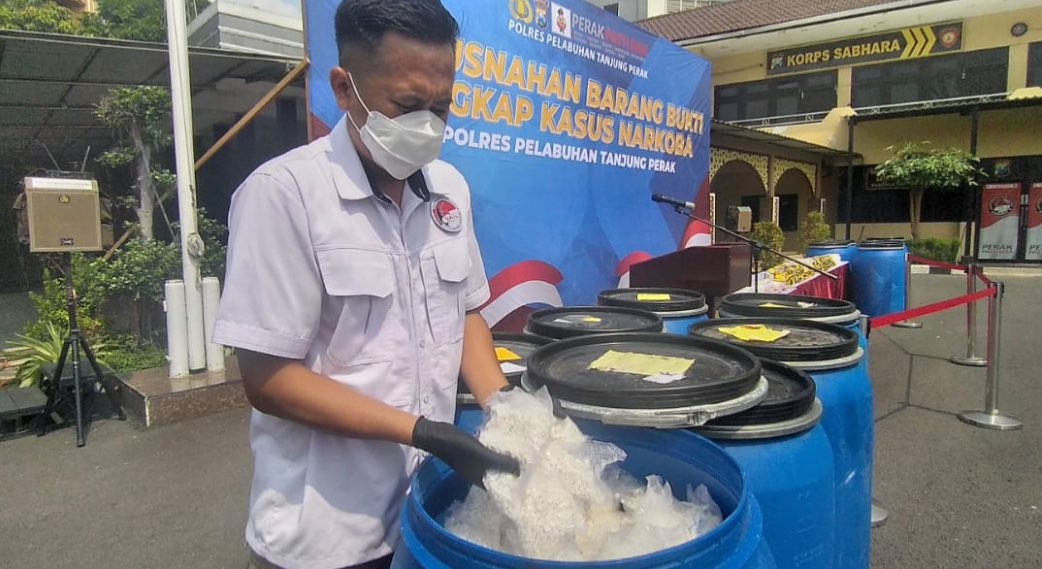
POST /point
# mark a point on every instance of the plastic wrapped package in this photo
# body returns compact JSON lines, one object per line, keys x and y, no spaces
{"x":571,"y":502}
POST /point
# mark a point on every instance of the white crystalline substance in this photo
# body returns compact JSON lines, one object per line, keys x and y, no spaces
{"x":570,"y":503}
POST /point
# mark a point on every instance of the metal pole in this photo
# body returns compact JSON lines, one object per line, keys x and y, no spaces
{"x":850,"y":172}
{"x":908,"y":295}
{"x":971,"y":358}
{"x":971,"y":190}
{"x":191,"y":243}
{"x":990,"y":418}
{"x":879,"y":514}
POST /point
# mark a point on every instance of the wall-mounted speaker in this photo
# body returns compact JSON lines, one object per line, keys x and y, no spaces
{"x":64,"y":215}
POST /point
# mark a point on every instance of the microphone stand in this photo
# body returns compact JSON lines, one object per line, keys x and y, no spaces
{"x":757,"y":248}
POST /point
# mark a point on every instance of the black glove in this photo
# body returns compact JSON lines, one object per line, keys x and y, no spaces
{"x":462,"y":452}
{"x":555,"y":403}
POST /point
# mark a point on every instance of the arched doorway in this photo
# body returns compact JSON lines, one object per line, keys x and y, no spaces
{"x":738,"y":183}
{"x":795,"y":193}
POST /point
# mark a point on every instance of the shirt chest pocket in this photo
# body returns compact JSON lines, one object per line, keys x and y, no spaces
{"x":445,"y":267}
{"x":360,"y":305}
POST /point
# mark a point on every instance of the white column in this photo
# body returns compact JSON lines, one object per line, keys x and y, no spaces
{"x":184,"y":152}
{"x":176,"y":328}
{"x":211,"y":301}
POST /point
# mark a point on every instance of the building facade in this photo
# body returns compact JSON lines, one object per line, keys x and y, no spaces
{"x":248,"y":28}
{"x":956,"y":73}
{"x":634,"y":10}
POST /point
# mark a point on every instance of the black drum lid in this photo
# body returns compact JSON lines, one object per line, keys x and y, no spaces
{"x":807,"y":341}
{"x":680,"y":299}
{"x":749,"y":305}
{"x":883,"y":245}
{"x":522,"y":345}
{"x":837,"y":244}
{"x":574,"y":321}
{"x":720,"y":372}
{"x":790,"y":394}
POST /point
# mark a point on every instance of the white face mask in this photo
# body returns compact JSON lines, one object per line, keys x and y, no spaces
{"x":403,"y":145}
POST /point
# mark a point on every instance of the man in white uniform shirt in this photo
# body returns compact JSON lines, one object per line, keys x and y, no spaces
{"x":353,"y":283}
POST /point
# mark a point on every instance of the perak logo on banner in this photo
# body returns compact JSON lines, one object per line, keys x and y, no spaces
{"x":562,"y":20}
{"x":1001,"y":206}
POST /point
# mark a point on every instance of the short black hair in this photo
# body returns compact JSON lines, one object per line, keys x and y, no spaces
{"x":361,"y":24}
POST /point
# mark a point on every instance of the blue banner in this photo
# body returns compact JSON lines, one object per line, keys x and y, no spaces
{"x":565,"y":120}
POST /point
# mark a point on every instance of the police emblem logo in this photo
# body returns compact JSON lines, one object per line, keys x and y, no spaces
{"x":950,"y":37}
{"x":542,"y":11}
{"x":447,"y":216}
{"x":521,"y":10}
{"x":1001,"y":206}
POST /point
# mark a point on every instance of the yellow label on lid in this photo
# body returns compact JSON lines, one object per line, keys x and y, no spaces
{"x":640,"y":364}
{"x":772,"y":305}
{"x":505,"y":355}
{"x":654,"y":297}
{"x":754,"y":333}
{"x":592,"y":320}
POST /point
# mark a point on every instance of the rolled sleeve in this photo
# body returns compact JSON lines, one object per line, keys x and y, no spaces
{"x":272,"y":298}
{"x":477,"y":283}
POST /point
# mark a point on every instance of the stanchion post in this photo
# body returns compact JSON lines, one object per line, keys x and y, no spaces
{"x":908,"y":296}
{"x":990,"y":418}
{"x":971,"y":358}
{"x":879,"y":514}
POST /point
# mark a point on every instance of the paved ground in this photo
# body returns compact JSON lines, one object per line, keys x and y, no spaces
{"x":175,"y":497}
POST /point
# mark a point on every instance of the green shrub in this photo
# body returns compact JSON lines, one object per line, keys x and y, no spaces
{"x":34,"y":353}
{"x":814,"y":229}
{"x":127,"y":354}
{"x":51,"y":305}
{"x":943,"y":250}
{"x":771,"y":235}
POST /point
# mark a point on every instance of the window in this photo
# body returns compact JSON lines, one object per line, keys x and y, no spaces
{"x":890,"y":204}
{"x":933,"y":78}
{"x":788,"y":96}
{"x":613,"y":8}
{"x":753,"y":203}
{"x":1035,"y":65}
{"x":789,"y":212}
{"x":680,"y":5}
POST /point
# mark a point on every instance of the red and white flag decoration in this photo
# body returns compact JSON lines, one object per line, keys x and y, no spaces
{"x":519,"y":286}
{"x":698,"y":234}
{"x":623,"y":270}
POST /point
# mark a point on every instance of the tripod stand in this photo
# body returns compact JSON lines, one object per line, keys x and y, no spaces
{"x":757,"y":247}
{"x":73,"y":345}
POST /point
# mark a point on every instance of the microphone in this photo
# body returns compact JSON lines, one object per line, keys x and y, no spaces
{"x":659,"y":198}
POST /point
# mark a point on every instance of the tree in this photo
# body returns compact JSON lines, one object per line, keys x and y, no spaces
{"x":921,"y":169}
{"x":38,"y":16}
{"x":139,"y":117}
{"x":141,"y":20}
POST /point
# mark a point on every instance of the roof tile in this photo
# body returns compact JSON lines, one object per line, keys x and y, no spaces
{"x":744,"y":15}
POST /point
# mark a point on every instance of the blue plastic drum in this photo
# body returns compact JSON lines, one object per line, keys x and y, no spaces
{"x":846,"y":250}
{"x":831,"y":356}
{"x":880,"y":277}
{"x":788,"y":466}
{"x":681,"y":459}
{"x":678,"y":308}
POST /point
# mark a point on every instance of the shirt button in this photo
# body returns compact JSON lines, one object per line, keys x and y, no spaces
{"x":426,"y":399}
{"x":423,"y":343}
